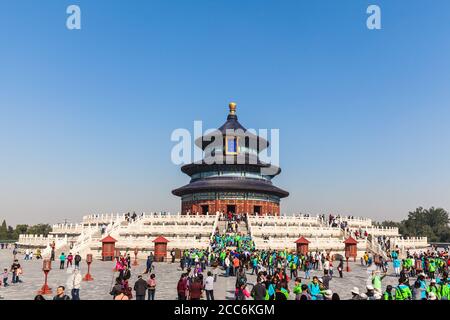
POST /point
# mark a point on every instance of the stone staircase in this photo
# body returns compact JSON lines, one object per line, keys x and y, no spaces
{"x":242,"y":228}
{"x":92,"y":236}
{"x":222,"y":226}
{"x":374,"y":247}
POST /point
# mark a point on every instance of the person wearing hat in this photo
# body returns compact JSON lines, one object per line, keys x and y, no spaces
{"x":363,"y":296}
{"x":432,"y":296}
{"x":355,"y":294}
{"x":432,"y":288}
{"x":370,"y":292}
{"x":420,"y":286}
{"x":376,"y":280}
{"x":327,"y":294}
{"x":321,"y":286}
{"x":389,"y":294}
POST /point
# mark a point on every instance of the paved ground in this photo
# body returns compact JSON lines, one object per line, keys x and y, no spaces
{"x":167,"y":276}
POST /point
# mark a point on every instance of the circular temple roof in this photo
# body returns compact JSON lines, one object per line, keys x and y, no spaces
{"x":232,"y":123}
{"x":230,"y":184}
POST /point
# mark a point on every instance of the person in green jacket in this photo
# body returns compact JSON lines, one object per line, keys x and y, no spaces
{"x":444,"y":291}
{"x":434,"y":288}
{"x":431,"y":268}
{"x":298,"y":288}
{"x":389,"y":293}
{"x":402,"y":292}
{"x":376,"y":280}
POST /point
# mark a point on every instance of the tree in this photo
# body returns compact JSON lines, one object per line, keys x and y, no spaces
{"x":10,"y":233}
{"x":3,"y":231}
{"x":432,"y":223}
{"x":40,"y":229}
{"x":20,"y":229}
{"x":390,"y":224}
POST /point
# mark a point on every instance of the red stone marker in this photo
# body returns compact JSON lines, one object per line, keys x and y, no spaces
{"x":135,"y":262}
{"x":88,"y":276}
{"x":46,"y":267}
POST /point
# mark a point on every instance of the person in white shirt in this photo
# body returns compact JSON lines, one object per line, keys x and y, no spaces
{"x":209,"y":286}
{"x":227,"y":266}
{"x":319,"y":261}
{"x":215,"y":271}
{"x":326,"y":265}
{"x":74,"y":284}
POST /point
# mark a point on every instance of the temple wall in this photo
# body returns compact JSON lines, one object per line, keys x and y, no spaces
{"x":242,"y":206}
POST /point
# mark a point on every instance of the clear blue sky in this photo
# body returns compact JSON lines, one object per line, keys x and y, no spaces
{"x":86,"y":116}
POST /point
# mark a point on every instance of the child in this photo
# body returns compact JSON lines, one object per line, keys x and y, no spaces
{"x":5,"y":277}
{"x":151,"y":287}
{"x":241,"y":292}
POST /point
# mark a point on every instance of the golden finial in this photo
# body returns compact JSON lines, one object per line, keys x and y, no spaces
{"x":232,"y":107}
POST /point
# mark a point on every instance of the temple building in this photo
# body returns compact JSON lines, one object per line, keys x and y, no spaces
{"x":231,"y":178}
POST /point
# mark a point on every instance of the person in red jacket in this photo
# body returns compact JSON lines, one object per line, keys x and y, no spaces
{"x":182,"y":287}
{"x":195,"y":290}
{"x":69,"y":259}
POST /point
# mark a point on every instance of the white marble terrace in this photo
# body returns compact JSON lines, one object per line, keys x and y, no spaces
{"x":189,"y":231}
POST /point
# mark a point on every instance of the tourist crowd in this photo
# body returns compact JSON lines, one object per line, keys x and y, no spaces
{"x":280,"y":274}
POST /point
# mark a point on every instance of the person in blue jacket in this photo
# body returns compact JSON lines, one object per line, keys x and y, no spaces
{"x":396,"y":264}
{"x":314,"y":289}
{"x":423,"y":286}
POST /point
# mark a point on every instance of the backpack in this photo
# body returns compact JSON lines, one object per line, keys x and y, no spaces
{"x":401,"y":295}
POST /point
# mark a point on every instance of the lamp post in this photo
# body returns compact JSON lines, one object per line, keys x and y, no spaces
{"x":88,"y":276}
{"x":347,"y":256}
{"x":46,"y":267}
{"x":135,"y":263}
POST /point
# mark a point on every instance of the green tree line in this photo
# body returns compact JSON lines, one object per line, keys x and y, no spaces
{"x":10,"y":233}
{"x":432,"y":223}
